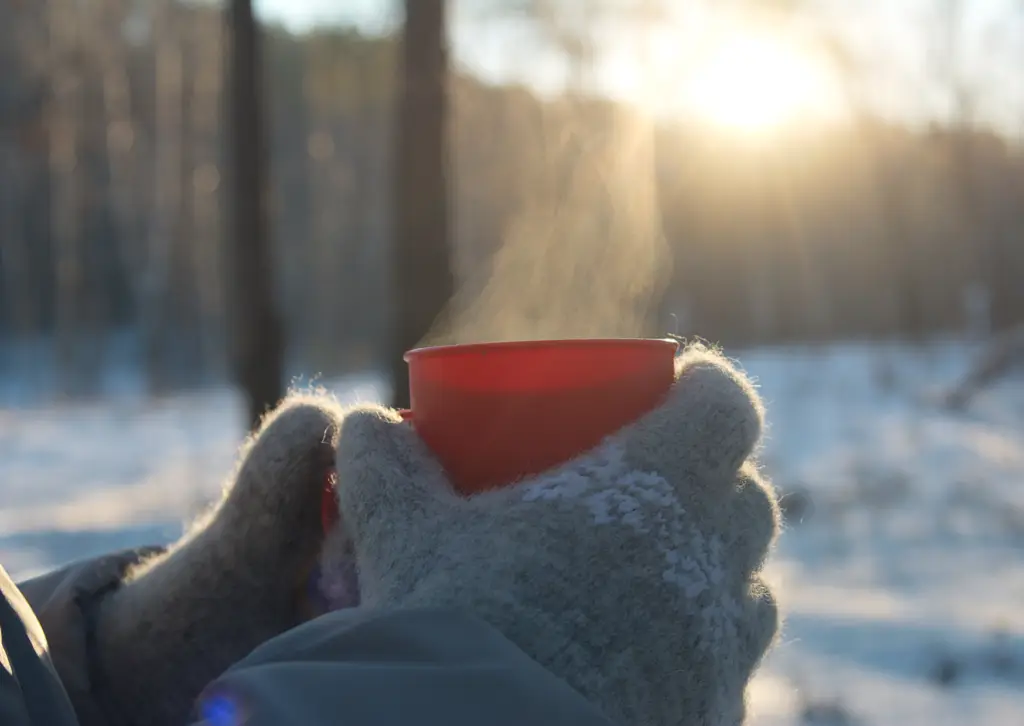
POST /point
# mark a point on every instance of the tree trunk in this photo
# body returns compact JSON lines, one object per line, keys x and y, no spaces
{"x":206,"y":193}
{"x":255,"y":330}
{"x":65,"y":191}
{"x":422,"y":274}
{"x":19,"y":300}
{"x":118,"y":189}
{"x":164,"y":232}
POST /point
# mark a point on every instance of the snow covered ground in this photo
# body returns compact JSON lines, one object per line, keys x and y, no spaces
{"x":903,"y":582}
{"x":901,"y":570}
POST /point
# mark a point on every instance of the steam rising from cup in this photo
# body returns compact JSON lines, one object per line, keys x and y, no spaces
{"x":584,"y":254}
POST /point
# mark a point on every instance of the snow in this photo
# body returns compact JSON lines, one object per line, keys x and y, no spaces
{"x":78,"y":480}
{"x":908,"y":567}
{"x":900,"y":572}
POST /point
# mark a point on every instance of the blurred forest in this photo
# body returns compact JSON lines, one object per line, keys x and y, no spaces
{"x":112,"y":200}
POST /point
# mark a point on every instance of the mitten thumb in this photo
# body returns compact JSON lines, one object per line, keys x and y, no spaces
{"x":271,"y":507}
{"x":708,"y":426}
{"x":392,"y":492}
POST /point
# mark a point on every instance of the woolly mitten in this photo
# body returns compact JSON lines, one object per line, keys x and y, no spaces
{"x":232,"y":582}
{"x":631,"y":572}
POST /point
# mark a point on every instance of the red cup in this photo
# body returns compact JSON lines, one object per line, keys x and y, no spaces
{"x":494,"y":413}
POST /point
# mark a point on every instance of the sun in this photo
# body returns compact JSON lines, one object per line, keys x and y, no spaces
{"x":753,"y":84}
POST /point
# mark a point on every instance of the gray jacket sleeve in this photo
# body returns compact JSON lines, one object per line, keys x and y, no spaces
{"x":64,"y":602}
{"x":403,"y":668}
{"x":31,"y":694}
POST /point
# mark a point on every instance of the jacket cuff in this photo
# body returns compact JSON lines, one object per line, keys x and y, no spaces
{"x":88,"y":598}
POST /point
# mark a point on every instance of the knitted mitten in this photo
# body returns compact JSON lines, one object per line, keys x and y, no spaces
{"x":232,"y":582}
{"x":632,"y":571}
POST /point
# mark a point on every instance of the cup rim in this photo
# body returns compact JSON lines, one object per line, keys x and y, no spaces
{"x":470,"y":348}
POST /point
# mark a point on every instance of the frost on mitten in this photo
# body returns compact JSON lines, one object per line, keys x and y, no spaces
{"x":632,"y":571}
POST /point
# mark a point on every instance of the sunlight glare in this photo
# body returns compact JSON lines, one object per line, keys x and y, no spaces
{"x":754,"y":84}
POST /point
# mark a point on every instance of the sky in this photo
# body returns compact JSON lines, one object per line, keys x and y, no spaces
{"x":895,"y":40}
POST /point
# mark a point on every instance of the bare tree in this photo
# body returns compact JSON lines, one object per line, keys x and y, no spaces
{"x":122,"y":138}
{"x":205,"y":188}
{"x":65,"y":173}
{"x":14,"y":170}
{"x":1004,"y":354}
{"x":13,"y":245}
{"x":255,"y":330}
{"x":422,"y":271}
{"x":164,"y":223}
{"x":973,"y":209}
